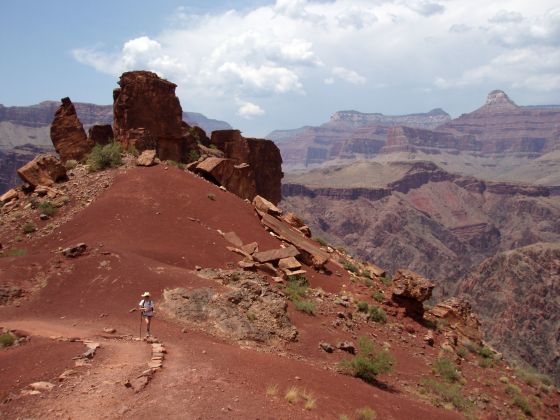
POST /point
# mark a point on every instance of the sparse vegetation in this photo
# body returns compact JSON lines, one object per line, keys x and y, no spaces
{"x":347,"y":265}
{"x":321,"y":241}
{"x":387,"y":280}
{"x":486,"y":357}
{"x":462,"y":352}
{"x":102,"y":157}
{"x":365,"y":413}
{"x":518,"y":399}
{"x":377,"y":314}
{"x":369,"y":362}
{"x":178,"y":165}
{"x":310,"y":400}
{"x":296,"y":287}
{"x":368,"y":282}
{"x":305,"y":306}
{"x":48,"y":208}
{"x":272,"y":390}
{"x":251,"y":316}
{"x":211,"y":197}
{"x":378,"y":296}
{"x":7,"y":339}
{"x":292,"y":395}
{"x":366,"y":274}
{"x":14,"y":252}
{"x":448,"y":393}
{"x":362,"y":306}
{"x":29,"y":227}
{"x":533,"y":378}
{"x":70,"y":164}
{"x":132,"y":150}
{"x":193,"y":155}
{"x":446,"y":369}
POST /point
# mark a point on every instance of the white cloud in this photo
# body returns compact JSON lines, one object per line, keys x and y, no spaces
{"x":282,"y":55}
{"x":348,"y":75}
{"x":249,"y":110}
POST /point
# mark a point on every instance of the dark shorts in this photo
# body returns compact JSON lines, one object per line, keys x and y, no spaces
{"x":147,"y":316}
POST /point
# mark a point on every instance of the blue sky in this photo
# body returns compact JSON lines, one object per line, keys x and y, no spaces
{"x":262,"y":65}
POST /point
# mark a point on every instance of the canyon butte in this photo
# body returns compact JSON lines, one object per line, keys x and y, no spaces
{"x":254,"y":318}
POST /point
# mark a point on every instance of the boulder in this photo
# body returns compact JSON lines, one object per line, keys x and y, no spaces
{"x":457,"y":314}
{"x":43,"y":170}
{"x":311,"y":254}
{"x":9,"y":196}
{"x":347,"y":346}
{"x":67,"y":133}
{"x":410,"y":291}
{"x":41,"y":386}
{"x":265,"y":206}
{"x":101,"y":134}
{"x":326,"y":347}
{"x":148,"y":115}
{"x":224,"y":172}
{"x":74,"y":251}
{"x":289,"y":263}
{"x":275,"y":254}
{"x":146,"y":158}
{"x":262,"y":157}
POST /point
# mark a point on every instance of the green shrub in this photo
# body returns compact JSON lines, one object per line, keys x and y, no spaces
{"x":296,"y":287}
{"x":193,"y":155}
{"x":178,"y":165}
{"x":14,"y":252}
{"x":485,"y":362}
{"x":486,"y":352}
{"x":102,"y":157}
{"x":251,"y":316}
{"x":521,"y":402}
{"x":305,"y":306}
{"x":378,"y":296}
{"x":29,"y":227}
{"x":7,"y":339}
{"x":449,"y":393}
{"x":369,"y":362}
{"x":362,"y":306}
{"x":48,"y":208}
{"x":349,"y":266}
{"x":368,"y":282}
{"x":377,"y":314}
{"x":366,"y":274}
{"x":386,"y":279}
{"x":365,"y":413}
{"x":446,"y":369}
{"x":462,"y":352}
{"x":70,"y":164}
{"x":321,"y":241}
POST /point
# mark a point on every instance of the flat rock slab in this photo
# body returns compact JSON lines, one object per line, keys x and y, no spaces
{"x":233,"y":239}
{"x":250,"y":248}
{"x":289,"y":263}
{"x":276,"y":254}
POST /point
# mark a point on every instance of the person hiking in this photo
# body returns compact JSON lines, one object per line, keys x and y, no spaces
{"x":146,"y":307}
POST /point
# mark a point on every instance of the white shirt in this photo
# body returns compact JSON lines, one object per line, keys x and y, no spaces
{"x":149,"y":305}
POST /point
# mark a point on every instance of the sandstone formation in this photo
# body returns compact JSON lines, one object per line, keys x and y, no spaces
{"x":101,"y":134}
{"x":146,"y":158}
{"x":260,"y":160}
{"x":457,"y":314}
{"x":411,"y":290}
{"x":147,"y":113}
{"x":43,"y":170}
{"x":67,"y":133}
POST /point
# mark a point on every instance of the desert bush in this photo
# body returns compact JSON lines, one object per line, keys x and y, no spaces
{"x":378,"y":296}
{"x":377,"y":314}
{"x":369,"y":362}
{"x":102,"y":157}
{"x":14,"y":252}
{"x":521,"y":402}
{"x":533,"y":378}
{"x":305,"y":306}
{"x":292,"y":395}
{"x":365,"y":413}
{"x":446,"y":369}
{"x":349,"y":266}
{"x":368,"y":282}
{"x":70,"y":164}
{"x":272,"y":390}
{"x":366,"y":274}
{"x":29,"y":227}
{"x":7,"y":339}
{"x":486,"y":352}
{"x":449,"y":393}
{"x":48,"y":208}
{"x":362,"y":306}
{"x":462,"y":352}
{"x":310,"y":400}
{"x":296,"y":287}
{"x":387,"y":280}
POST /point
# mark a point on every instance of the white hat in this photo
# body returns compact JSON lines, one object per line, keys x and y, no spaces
{"x":146,"y":294}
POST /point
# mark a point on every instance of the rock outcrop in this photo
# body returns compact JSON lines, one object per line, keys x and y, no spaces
{"x":101,"y":134}
{"x":410,"y":291}
{"x":457,"y":314}
{"x":43,"y":170}
{"x":147,"y":113}
{"x":67,"y":133}
{"x":259,"y":158}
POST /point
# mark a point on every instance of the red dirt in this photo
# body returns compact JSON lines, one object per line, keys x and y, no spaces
{"x":141,"y":236}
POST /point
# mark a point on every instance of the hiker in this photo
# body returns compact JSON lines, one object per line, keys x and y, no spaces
{"x":146,"y":306}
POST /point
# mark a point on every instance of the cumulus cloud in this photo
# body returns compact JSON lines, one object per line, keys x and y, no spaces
{"x":292,"y":50}
{"x":249,"y":110}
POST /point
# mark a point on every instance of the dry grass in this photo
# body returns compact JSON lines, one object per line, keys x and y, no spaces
{"x":310,"y":400}
{"x":272,"y":390}
{"x":292,"y":395}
